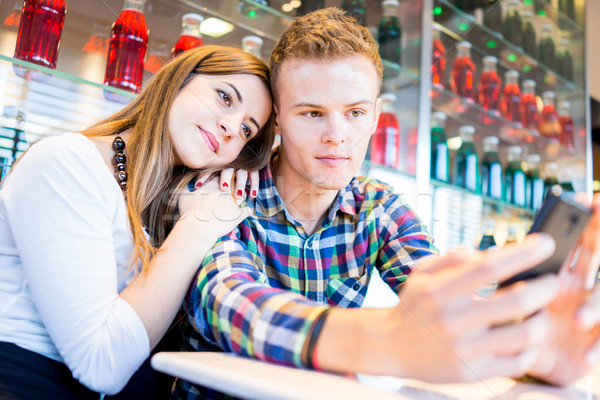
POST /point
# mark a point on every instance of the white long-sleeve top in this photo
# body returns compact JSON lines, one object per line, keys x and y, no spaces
{"x":64,"y":250}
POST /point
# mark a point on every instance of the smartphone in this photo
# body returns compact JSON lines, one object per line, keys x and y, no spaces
{"x":564,"y":219}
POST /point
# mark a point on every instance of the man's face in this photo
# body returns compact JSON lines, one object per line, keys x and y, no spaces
{"x":327,"y":111}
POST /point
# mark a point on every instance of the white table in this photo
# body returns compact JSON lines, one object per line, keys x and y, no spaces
{"x":252,"y":379}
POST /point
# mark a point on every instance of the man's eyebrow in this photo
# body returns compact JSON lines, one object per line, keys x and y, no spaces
{"x":354,"y":104}
{"x":237,"y":92}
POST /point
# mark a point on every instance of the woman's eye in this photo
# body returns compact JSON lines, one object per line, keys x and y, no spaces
{"x":246,"y":131}
{"x":225,"y":97}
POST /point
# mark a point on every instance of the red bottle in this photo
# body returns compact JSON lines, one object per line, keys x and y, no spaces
{"x":549,"y":123}
{"x":531,"y":115}
{"x":385,"y":143}
{"x":567,"y":132}
{"x":511,"y":101}
{"x":438,"y":63}
{"x":40,"y":30}
{"x":127,"y":49}
{"x":190,"y":34}
{"x":463,"y":72}
{"x":490,"y":85}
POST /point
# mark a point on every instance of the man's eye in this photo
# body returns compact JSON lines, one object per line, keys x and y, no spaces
{"x":226,"y":97}
{"x":314,"y":114}
{"x":356,"y":113}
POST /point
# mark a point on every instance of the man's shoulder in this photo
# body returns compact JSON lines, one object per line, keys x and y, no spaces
{"x":370,"y":188}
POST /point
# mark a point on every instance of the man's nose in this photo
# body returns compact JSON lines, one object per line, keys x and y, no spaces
{"x":334,"y":130}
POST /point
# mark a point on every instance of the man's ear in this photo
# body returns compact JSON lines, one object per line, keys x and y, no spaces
{"x":377,"y":113}
{"x":277,"y":125}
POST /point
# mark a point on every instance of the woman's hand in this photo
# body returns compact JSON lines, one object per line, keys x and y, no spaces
{"x":235,"y":181}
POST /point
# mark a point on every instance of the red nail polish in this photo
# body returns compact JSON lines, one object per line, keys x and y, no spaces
{"x":240,"y":193}
{"x":254,"y":193}
{"x":198,"y":185}
{"x":225,"y":184}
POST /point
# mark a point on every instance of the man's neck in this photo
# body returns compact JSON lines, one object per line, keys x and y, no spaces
{"x":308,"y":205}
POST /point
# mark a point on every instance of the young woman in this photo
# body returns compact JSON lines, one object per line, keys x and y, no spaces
{"x":89,"y":278}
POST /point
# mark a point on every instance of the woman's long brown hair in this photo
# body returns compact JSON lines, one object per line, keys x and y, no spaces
{"x":152,"y":181}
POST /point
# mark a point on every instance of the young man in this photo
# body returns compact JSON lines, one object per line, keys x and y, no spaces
{"x":268,"y":290}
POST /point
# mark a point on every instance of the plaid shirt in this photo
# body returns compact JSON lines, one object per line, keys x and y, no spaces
{"x":262,"y":286}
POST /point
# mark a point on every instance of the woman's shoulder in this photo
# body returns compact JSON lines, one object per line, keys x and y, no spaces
{"x":67,"y":149}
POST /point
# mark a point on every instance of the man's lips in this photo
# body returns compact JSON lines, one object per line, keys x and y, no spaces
{"x":211,"y":140}
{"x":332,"y":160}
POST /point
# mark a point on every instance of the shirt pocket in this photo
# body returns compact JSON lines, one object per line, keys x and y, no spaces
{"x":348,"y":292}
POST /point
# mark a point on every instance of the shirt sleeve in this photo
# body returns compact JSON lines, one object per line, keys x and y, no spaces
{"x":403,"y":241}
{"x":233,"y":306}
{"x":61,"y":210}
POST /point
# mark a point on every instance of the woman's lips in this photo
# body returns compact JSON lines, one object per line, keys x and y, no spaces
{"x":211,"y":140}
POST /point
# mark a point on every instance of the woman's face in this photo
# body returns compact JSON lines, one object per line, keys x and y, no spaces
{"x":213,"y":116}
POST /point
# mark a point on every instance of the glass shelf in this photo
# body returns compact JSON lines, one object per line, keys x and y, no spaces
{"x":397,"y":78}
{"x":467,"y":112}
{"x":464,"y":26}
{"x":62,"y":103}
{"x":497,"y":205}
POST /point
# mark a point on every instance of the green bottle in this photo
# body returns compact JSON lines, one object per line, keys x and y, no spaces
{"x":491,"y":169}
{"x":514,"y":178}
{"x":564,"y":60}
{"x":466,"y":162}
{"x":546,"y":48}
{"x":357,"y":9}
{"x":534,"y":185}
{"x":390,"y":33}
{"x":439,"y":148}
{"x":250,"y":10}
{"x":487,"y":238}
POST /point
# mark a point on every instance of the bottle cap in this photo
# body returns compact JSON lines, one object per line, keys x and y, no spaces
{"x":13,"y":112}
{"x":564,"y":105}
{"x":252,"y":40}
{"x":438,"y":116}
{"x":466,"y":132}
{"x":391,"y":97}
{"x":546,"y":28}
{"x":513,"y":74}
{"x":551,"y":166}
{"x":548,"y":94}
{"x":514,"y":3}
{"x":534,"y":158}
{"x":463,"y":44}
{"x":490,"y":61}
{"x":529,"y":83}
{"x":390,"y":3}
{"x":565,"y":42}
{"x":491,"y":140}
{"x":192,"y":19}
{"x":526,"y":14}
{"x":514,"y":150}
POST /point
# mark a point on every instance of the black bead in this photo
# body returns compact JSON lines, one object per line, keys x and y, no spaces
{"x":119,"y":158}
{"x":122,"y":176}
{"x":120,"y":167}
{"x":118,"y":145}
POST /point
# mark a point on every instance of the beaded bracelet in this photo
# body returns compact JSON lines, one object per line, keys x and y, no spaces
{"x":313,"y":337}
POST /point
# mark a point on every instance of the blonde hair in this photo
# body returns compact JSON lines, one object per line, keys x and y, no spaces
{"x":152,"y":181}
{"x":325,"y":34}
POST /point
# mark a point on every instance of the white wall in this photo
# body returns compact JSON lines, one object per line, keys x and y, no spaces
{"x":592,"y":24}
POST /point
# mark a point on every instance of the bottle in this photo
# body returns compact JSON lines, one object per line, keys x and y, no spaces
{"x":466,"y":161}
{"x":514,"y":178}
{"x":534,"y":185}
{"x":531,"y":115}
{"x":491,"y":169}
{"x":357,"y":9}
{"x":550,"y":177}
{"x":438,"y":63}
{"x":539,"y":6}
{"x":190,"y":34}
{"x":253,"y":45}
{"x":390,"y":33}
{"x":567,"y":7}
{"x":513,"y":26}
{"x":463,"y":72}
{"x":487,"y":239}
{"x":385,"y":143}
{"x":564,"y":60}
{"x":549,"y":122}
{"x":439,"y":148}
{"x":490,"y":85}
{"x":567,"y":131}
{"x":39,"y":36}
{"x":492,"y":15}
{"x":309,"y":6}
{"x":511,"y":234}
{"x":12,"y":137}
{"x":546,"y":49}
{"x":250,"y":10}
{"x":127,"y":49}
{"x":528,"y":36}
{"x":511,"y":100}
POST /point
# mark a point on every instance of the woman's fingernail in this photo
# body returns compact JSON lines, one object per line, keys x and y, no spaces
{"x":254,"y":193}
{"x":225,"y":185}
{"x":198,"y":185}
{"x":191,"y":186}
{"x":240,"y":193}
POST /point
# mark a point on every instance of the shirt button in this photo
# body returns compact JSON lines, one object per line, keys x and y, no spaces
{"x":356,"y":286}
